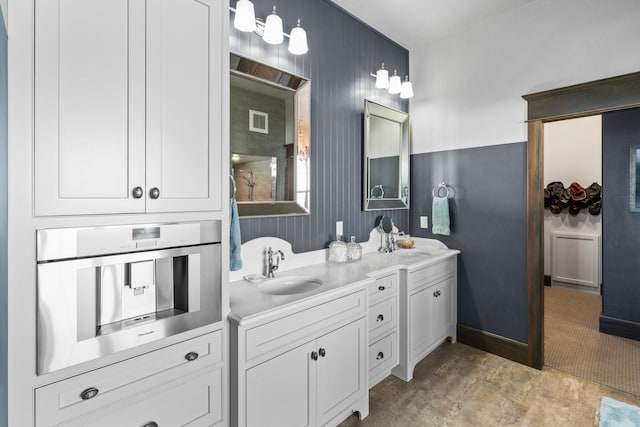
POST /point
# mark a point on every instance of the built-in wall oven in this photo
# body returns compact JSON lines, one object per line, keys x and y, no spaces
{"x":106,"y":289}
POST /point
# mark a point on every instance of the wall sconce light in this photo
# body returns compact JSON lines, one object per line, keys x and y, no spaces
{"x":394,"y":84}
{"x":271,"y":29}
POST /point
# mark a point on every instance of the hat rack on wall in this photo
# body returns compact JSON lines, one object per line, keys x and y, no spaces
{"x":574,"y":198}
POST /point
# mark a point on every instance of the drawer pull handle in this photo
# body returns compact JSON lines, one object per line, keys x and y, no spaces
{"x":314,"y":355}
{"x":380,"y":356}
{"x":381,"y":288}
{"x":191,"y":356}
{"x":380,"y":318}
{"x":89,"y":393}
{"x":322,"y":352}
{"x":150,"y":424}
{"x":154,"y":193}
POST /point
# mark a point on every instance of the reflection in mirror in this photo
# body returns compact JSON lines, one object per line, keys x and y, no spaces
{"x":269,"y":135}
{"x":386,"y":158}
{"x":634,"y":178}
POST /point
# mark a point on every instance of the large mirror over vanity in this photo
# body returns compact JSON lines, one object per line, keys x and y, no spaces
{"x":386,"y":158}
{"x":269,"y":138}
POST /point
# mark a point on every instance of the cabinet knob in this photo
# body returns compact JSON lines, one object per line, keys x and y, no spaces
{"x":380,"y":318}
{"x":436,"y":294}
{"x":150,"y":424}
{"x":314,"y":355}
{"x":381,"y":288}
{"x":191,"y":356}
{"x":380,"y":356}
{"x":154,"y":193}
{"x":137,"y":192}
{"x":89,"y":393}
{"x":322,"y":352}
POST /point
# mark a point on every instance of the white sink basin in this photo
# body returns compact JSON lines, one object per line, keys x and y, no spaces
{"x":289,"y":285}
{"x":411,"y":252}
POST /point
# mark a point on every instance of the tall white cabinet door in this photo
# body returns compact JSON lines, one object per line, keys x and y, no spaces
{"x":89,"y":99}
{"x":341,"y":368}
{"x":442,"y":310}
{"x":420,"y":323}
{"x":185,"y":53}
{"x":281,"y":391}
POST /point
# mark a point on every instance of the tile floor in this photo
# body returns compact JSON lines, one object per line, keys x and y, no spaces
{"x":458,"y":385}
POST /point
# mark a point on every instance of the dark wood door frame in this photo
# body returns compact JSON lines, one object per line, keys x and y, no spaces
{"x":586,"y":99}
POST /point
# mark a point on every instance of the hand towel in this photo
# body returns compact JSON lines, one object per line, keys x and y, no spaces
{"x":235,"y":263}
{"x":440,"y":216}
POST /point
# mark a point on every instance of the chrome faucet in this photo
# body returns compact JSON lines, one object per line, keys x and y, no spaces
{"x":271,"y":267}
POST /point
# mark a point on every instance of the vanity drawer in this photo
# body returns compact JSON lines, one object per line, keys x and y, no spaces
{"x":431,"y":274}
{"x":383,"y":316}
{"x":195,"y":400}
{"x":383,"y":287}
{"x":383,"y":354}
{"x":275,"y":335}
{"x":63,"y":400}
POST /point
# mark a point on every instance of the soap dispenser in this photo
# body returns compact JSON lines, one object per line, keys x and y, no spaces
{"x":338,"y":251}
{"x":354,"y":250}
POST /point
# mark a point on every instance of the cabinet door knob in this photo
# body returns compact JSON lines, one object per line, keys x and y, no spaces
{"x":436,"y":294}
{"x":137,"y":192}
{"x":154,"y":193}
{"x":380,"y":356}
{"x":380,"y":318}
{"x":150,"y":424}
{"x":322,"y":352}
{"x":191,"y":356}
{"x":381,"y":288}
{"x":314,"y":355}
{"x":89,"y":393}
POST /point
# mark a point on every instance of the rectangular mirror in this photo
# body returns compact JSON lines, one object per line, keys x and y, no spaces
{"x":386,"y":158}
{"x":270,"y":139}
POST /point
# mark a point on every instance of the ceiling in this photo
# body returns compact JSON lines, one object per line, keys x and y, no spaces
{"x":412,"y":23}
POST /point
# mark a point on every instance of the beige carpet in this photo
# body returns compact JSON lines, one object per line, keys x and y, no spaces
{"x":573,"y":344}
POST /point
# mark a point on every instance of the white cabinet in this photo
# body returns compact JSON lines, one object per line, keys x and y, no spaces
{"x":428,"y":303}
{"x":128,"y":105}
{"x":177,"y":385}
{"x":307,"y":368}
{"x":383,"y":326}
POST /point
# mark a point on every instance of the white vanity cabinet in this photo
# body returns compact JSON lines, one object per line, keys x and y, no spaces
{"x":383,"y":327}
{"x":129,"y":101}
{"x":428,"y":303}
{"x":302,"y":368}
{"x":177,"y":385}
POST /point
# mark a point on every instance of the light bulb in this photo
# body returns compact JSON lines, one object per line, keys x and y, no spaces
{"x":245,"y":19}
{"x":394,"y":83}
{"x":298,"y":41}
{"x":273,"y":29}
{"x":382,"y":78}
{"x":406,"y":90}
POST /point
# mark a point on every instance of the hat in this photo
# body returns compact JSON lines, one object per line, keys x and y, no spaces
{"x":555,"y":188}
{"x":555,"y":208}
{"x":574,"y":209}
{"x":564,"y":198}
{"x":577,"y":191}
{"x":594,"y":192}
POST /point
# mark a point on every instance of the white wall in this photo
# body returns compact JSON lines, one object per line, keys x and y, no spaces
{"x":469,"y":86}
{"x":572,"y":152}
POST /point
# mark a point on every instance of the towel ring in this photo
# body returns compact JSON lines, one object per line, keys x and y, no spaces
{"x":436,"y":191}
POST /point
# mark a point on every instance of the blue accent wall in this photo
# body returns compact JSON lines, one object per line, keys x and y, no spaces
{"x":488,"y":224}
{"x":4,"y":283}
{"x":343,"y":52}
{"x":620,"y":227}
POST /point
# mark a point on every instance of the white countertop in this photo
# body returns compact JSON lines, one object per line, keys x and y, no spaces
{"x":249,"y":304}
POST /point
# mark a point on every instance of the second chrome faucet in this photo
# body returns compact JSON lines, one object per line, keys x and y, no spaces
{"x":271,"y":266}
